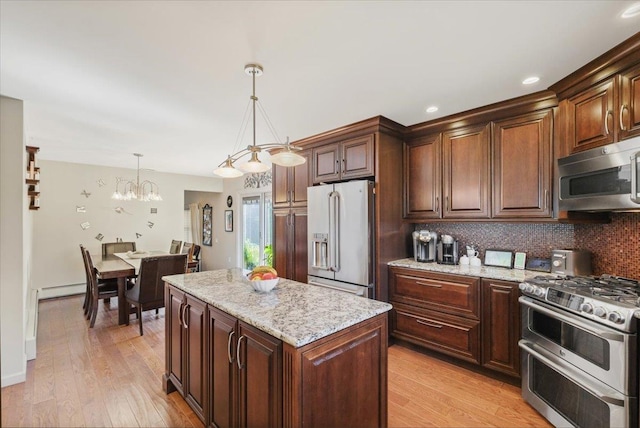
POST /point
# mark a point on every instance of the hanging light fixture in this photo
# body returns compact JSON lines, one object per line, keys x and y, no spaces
{"x":285,"y":154}
{"x":144,"y":192}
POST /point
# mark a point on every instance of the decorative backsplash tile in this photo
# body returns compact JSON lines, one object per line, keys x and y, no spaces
{"x":615,"y":246}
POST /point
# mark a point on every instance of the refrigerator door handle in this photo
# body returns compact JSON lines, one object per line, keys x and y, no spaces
{"x":334,"y":231}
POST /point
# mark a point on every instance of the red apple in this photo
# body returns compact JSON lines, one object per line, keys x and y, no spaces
{"x":268,"y":275}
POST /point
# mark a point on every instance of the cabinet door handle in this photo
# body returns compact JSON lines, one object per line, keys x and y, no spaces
{"x":184,"y":316}
{"x":337,"y":169}
{"x":240,"y":365}
{"x":181,"y":314}
{"x":437,"y":204}
{"x":231,"y":359}
{"x":546,"y":199}
{"x":429,"y":324}
{"x":446,"y":202}
{"x":622,"y":109}
{"x":606,"y":122}
{"x":429,"y":285}
{"x":344,"y":166}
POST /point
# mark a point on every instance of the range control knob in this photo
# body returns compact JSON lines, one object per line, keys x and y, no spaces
{"x":522,"y":286}
{"x":529,"y":288}
{"x":616,"y":318}
{"x":539,"y":291}
{"x":586,"y":307}
{"x":600,"y":312}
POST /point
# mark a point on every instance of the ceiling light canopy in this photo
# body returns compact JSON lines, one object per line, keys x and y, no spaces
{"x":143,"y":192}
{"x":631,"y":11}
{"x":282,"y":154}
{"x":531,"y":80}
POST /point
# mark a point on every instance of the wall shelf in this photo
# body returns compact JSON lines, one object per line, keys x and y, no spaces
{"x":33,"y":178}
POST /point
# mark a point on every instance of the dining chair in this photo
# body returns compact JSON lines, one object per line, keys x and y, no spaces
{"x":87,"y":291}
{"x":148,"y":291}
{"x":175,"y":247}
{"x":99,"y":290}
{"x":187,"y":247}
{"x":117,"y":247}
{"x":193,"y":262}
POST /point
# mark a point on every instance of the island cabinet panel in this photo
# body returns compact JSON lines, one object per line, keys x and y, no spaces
{"x":222,"y":387}
{"x":522,"y":164}
{"x":501,"y":326}
{"x":466,"y":172}
{"x":185,"y":348}
{"x":245,"y":374}
{"x":340,"y":380}
{"x":259,"y":359}
{"x":422,"y":180}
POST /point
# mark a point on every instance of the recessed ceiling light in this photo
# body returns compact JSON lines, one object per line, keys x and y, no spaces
{"x":432,"y":109}
{"x":530,"y":80}
{"x":631,"y":11}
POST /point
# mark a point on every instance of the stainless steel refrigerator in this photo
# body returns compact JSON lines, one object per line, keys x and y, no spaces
{"x":341,"y":244}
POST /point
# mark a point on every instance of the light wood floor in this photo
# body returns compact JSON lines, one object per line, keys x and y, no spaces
{"x":111,"y":376}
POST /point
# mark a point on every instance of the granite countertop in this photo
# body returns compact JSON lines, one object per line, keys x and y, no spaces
{"x":294,"y":312}
{"x":516,"y":275}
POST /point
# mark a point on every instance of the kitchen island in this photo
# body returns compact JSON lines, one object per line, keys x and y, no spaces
{"x":298,"y":355}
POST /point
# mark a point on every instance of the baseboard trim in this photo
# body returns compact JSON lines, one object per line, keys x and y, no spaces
{"x":13,"y":379}
{"x":61,"y":291}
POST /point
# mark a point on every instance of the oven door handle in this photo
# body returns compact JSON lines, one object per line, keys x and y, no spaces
{"x":557,"y":364}
{"x":572,"y":321}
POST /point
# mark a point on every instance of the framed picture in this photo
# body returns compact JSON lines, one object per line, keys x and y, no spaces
{"x":206,"y":225}
{"x":228,"y":221}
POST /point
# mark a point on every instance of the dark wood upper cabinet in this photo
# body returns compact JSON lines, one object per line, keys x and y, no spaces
{"x":422,"y":177}
{"x":290,"y":243}
{"x":630,"y":103}
{"x":522,"y":167}
{"x":344,"y":160}
{"x":466,"y":172}
{"x":290,"y":183}
{"x":591,"y":117}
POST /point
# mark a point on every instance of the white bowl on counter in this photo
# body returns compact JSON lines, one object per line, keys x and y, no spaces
{"x":264,"y":285}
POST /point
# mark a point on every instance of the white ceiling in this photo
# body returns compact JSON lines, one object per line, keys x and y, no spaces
{"x":104,"y":79}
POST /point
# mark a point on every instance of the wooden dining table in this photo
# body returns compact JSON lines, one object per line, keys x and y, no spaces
{"x":121,"y":267}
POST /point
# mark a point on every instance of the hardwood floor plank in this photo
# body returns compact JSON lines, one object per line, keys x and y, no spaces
{"x":111,"y":376}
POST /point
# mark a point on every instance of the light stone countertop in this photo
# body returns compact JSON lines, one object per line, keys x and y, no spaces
{"x":294,"y":312}
{"x":515,"y":275}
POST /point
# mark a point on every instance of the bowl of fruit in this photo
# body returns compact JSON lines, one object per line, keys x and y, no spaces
{"x":263,"y":278}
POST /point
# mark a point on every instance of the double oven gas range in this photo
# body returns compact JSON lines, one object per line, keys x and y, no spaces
{"x":579,"y":349}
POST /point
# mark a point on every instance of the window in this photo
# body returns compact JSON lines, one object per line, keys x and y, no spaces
{"x":257,"y":230}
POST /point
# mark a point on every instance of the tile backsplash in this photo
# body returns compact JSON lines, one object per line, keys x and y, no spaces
{"x":615,"y":246}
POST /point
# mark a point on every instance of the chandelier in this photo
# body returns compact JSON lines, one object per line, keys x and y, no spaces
{"x":144,"y":192}
{"x":284,"y":154}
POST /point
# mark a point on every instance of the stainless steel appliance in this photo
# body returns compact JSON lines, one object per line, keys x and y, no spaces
{"x":571,"y":262}
{"x":447,"y":250}
{"x":580,"y":349}
{"x":340,"y":228}
{"x":424,"y":245}
{"x":601,"y":179}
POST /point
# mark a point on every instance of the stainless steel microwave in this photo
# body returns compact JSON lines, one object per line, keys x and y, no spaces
{"x":601,"y":179}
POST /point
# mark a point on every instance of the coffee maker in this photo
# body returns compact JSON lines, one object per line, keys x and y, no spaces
{"x":424,"y":246}
{"x":447,"y":250}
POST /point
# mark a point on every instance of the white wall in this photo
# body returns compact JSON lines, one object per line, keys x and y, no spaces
{"x":14,"y":247}
{"x":57,"y":230}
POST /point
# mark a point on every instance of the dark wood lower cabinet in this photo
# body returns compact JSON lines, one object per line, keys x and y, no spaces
{"x":249,"y":378}
{"x":476,"y":320}
{"x":501,"y":326}
{"x":185,"y":348}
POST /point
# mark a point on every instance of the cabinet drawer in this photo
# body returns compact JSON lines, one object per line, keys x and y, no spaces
{"x":449,"y":334}
{"x":453,"y":294}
